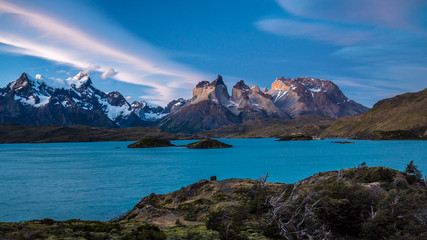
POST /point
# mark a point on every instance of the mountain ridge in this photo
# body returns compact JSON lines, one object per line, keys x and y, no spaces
{"x":288,"y":98}
{"x":75,"y":100}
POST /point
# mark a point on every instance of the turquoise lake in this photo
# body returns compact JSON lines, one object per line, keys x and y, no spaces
{"x":100,"y":181}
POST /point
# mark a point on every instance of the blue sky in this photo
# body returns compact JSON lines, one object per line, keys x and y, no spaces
{"x":159,"y":50}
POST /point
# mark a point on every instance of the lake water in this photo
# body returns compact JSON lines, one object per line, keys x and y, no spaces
{"x":99,"y":181}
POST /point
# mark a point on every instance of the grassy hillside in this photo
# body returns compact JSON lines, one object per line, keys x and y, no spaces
{"x":400,"y":117}
{"x":357,"y":203}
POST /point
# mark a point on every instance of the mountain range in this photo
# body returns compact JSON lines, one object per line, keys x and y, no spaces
{"x":212,"y":107}
{"x":43,"y":101}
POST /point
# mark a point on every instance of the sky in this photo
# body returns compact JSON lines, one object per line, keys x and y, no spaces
{"x":159,"y":50}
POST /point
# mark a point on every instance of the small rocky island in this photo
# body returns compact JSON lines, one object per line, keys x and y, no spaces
{"x":295,"y":138}
{"x":208,"y":143}
{"x":343,"y":142}
{"x":151,"y":143}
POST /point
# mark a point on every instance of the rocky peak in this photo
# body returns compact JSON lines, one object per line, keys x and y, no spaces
{"x":174,"y":105}
{"x":281,"y":84}
{"x":315,"y":84}
{"x":239,"y":94}
{"x":22,"y":81}
{"x":215,"y":91}
{"x":116,"y":99}
{"x":241,"y":85}
{"x":23,"y":86}
{"x":81,"y":80}
{"x":218,"y":81}
{"x":203,"y":84}
{"x":265,"y":90}
{"x":136,"y":104}
{"x":255,"y":88}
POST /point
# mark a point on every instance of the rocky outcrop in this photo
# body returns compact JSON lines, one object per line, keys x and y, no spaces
{"x":215,"y":92}
{"x":206,"y":110}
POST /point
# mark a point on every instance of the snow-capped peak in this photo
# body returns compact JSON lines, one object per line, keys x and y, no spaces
{"x":78,"y":80}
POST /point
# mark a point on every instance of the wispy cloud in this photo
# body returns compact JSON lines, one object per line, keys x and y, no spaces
{"x":393,"y":14}
{"x":313,"y":30}
{"x":36,"y":34}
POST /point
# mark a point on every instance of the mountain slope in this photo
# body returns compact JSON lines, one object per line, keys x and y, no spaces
{"x":406,"y":112}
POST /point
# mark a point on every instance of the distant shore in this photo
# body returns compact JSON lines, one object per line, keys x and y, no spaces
{"x":14,"y":133}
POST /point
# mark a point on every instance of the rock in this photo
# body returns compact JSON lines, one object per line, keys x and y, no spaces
{"x":208,"y":143}
{"x":151,"y":143}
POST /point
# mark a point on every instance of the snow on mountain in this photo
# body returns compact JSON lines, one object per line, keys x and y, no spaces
{"x":75,"y":99}
{"x":147,"y":111}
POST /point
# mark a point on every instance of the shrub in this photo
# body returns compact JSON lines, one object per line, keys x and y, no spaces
{"x":412,"y":173}
{"x":145,"y":232}
{"x":227,"y":221}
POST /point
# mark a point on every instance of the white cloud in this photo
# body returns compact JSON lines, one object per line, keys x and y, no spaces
{"x":109,"y":72}
{"x":32,"y":33}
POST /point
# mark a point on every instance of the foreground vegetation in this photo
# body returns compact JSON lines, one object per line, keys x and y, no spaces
{"x":357,"y":203}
